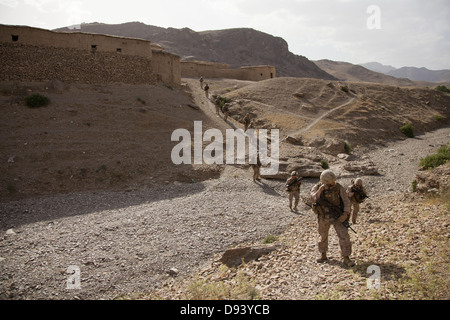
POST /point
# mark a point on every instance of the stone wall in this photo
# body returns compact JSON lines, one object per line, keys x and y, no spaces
{"x":205,"y":69}
{"x":76,"y":40}
{"x":167,"y":67}
{"x":33,"y":54}
{"x":37,"y":63}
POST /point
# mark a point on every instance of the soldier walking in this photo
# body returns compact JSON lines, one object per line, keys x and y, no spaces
{"x":293,"y":184}
{"x":327,"y":196}
{"x":357,"y":193}
{"x":216,"y":102}
{"x":256,"y":169}
{"x":246,"y":121}
{"x":225,"y":111}
{"x":206,"y":90}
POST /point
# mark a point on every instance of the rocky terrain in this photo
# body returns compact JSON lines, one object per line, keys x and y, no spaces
{"x":400,"y":248}
{"x":88,"y":187}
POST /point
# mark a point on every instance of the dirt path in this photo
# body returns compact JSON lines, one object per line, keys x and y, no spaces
{"x":315,"y":121}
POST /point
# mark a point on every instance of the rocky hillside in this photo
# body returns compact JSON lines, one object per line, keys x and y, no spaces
{"x":350,"y":72}
{"x":421,"y":74}
{"x":237,"y":47}
{"x":92,"y":137}
{"x":313,"y":111}
{"x":412,"y":73}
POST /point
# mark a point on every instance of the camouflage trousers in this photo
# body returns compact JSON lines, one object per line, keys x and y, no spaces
{"x":354,"y":211}
{"x":256,"y":173}
{"x":292,"y":195}
{"x":341,"y":231}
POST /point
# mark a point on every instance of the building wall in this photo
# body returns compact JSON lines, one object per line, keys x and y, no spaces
{"x":37,"y":63}
{"x":32,"y":54}
{"x":205,"y":69}
{"x":167,"y":67}
{"x":76,"y":40}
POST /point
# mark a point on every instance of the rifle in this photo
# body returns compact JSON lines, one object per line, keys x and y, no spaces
{"x":347,"y":225}
{"x":293,"y":182}
{"x":335,"y":211}
{"x":361,"y":194}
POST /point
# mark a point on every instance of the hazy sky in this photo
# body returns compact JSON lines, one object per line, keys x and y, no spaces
{"x":395,"y":32}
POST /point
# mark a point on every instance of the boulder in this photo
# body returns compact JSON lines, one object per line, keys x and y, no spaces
{"x":236,"y":256}
{"x":435,"y":181}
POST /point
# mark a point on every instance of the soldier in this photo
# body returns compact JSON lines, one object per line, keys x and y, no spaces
{"x":246,"y":121}
{"x":216,"y":102}
{"x":206,"y":90}
{"x":293,"y":184}
{"x":225,"y":111}
{"x":256,"y":169}
{"x":328,"y":195}
{"x":201,"y":82}
{"x":357,"y":193}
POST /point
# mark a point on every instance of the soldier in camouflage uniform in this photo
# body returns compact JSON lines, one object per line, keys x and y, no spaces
{"x":335,"y":194}
{"x":293,"y":184}
{"x":256,"y":169}
{"x":216,"y":101}
{"x":357,"y":193}
{"x":226,"y":111}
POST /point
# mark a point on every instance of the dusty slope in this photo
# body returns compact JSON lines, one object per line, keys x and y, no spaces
{"x":116,"y":137}
{"x":373,"y":112}
{"x":92,"y":138}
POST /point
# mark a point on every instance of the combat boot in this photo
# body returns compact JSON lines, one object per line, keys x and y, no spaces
{"x":322,"y":258}
{"x":348,"y":262}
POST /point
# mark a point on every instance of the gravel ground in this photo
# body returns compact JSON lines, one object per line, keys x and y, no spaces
{"x":397,"y":230}
{"x":126,"y":242}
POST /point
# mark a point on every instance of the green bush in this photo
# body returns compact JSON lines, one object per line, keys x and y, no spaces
{"x":270,"y":239}
{"x":435,"y":160}
{"x":224,"y":100}
{"x":324,"y":164}
{"x":443,"y":89}
{"x":347,"y":147}
{"x":36,"y":101}
{"x":407,"y":130}
{"x":414,"y":185}
{"x":344,"y":88}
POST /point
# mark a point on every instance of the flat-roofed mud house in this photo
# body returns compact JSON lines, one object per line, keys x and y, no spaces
{"x":33,"y":54}
{"x":223,"y":70}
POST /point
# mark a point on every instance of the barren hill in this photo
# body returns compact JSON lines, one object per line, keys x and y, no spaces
{"x":360,"y":113}
{"x":93,"y":137}
{"x":411,"y":73}
{"x":350,"y":72}
{"x":237,"y":47}
{"x":421,"y":74}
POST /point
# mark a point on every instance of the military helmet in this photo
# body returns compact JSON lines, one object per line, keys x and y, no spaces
{"x":327,"y":177}
{"x":358,"y":182}
{"x":293,"y":173}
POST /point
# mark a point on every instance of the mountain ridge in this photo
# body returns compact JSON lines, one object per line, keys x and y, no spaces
{"x":411,"y":73}
{"x":236,"y":47}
